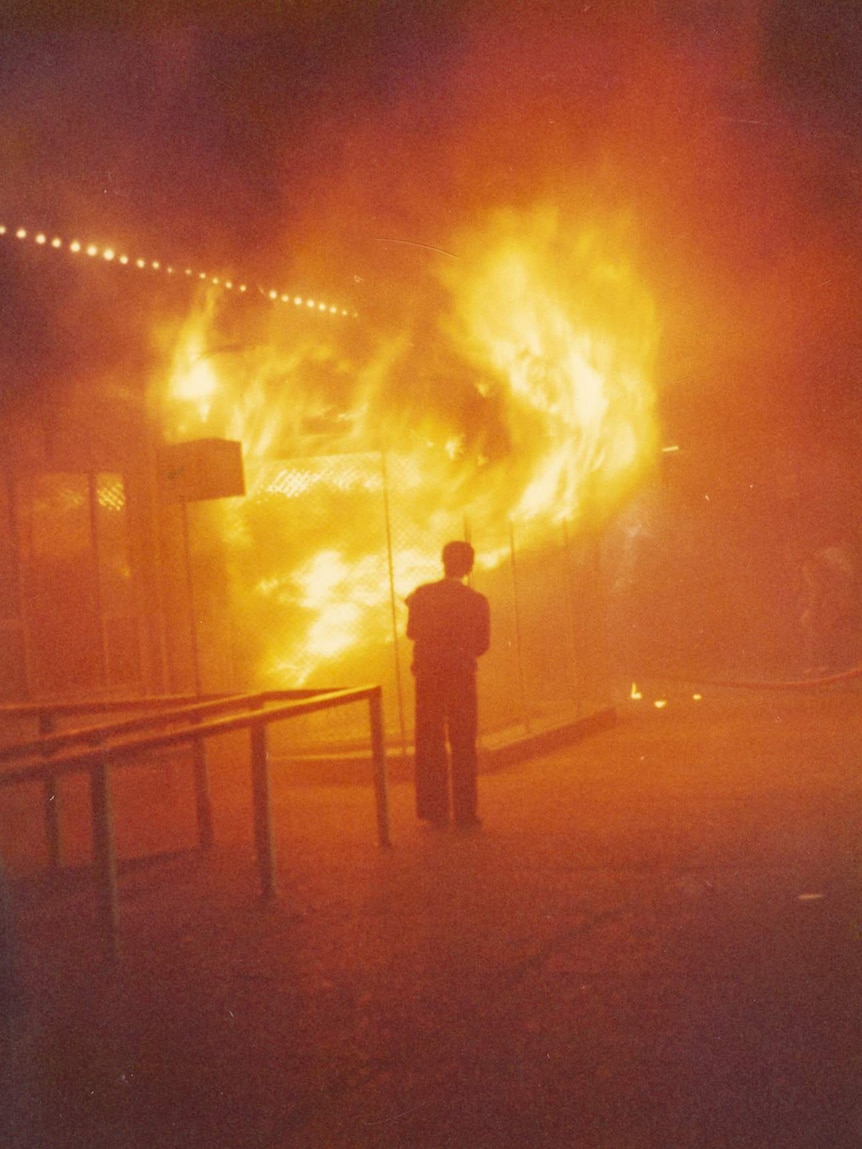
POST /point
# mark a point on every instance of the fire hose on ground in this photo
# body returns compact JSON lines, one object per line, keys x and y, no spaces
{"x":810,"y":683}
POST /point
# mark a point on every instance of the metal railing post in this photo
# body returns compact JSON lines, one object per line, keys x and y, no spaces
{"x":203,"y":797}
{"x":104,"y":857}
{"x":393,"y":608}
{"x":93,"y":756}
{"x":52,"y":802}
{"x":263,"y":836}
{"x":378,"y":756}
{"x":522,"y":685}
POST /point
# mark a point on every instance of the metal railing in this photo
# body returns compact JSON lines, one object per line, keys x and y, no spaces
{"x":98,"y":749}
{"x":169,"y":708}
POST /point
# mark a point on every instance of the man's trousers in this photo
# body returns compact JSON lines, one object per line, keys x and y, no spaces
{"x":446,"y":707}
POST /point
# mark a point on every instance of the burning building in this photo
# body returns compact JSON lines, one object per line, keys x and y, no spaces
{"x":522,"y":423}
{"x":512,"y":259}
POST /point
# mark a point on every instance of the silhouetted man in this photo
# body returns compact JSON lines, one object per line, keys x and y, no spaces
{"x":450,"y":626}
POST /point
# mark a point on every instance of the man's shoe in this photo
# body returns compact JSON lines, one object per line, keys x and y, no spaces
{"x":436,"y":823}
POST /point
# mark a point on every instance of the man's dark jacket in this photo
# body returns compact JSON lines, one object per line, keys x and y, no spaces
{"x":450,"y":626}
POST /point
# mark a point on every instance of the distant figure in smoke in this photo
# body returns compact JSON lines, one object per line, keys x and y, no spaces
{"x":450,"y":625}
{"x":827,"y":610}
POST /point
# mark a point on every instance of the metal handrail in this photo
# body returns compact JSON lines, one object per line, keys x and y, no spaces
{"x":259,"y":710}
{"x":64,"y":707}
{"x":176,"y":710}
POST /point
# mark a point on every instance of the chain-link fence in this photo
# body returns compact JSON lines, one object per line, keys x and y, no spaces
{"x":301,"y":583}
{"x":320,"y":556}
{"x":68,"y":610}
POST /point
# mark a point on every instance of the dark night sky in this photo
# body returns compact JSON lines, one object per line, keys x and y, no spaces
{"x":294,"y":141}
{"x":218,"y":126}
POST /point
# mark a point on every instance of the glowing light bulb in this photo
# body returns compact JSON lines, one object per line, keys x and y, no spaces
{"x":110,"y":255}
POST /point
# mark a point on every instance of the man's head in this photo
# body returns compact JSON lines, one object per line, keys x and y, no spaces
{"x":458,"y":559}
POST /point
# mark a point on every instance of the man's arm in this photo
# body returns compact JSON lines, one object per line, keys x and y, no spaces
{"x":483,"y":628}
{"x":414,"y":614}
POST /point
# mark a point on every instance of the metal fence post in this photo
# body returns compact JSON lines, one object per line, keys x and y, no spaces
{"x":190,"y":591}
{"x":569,"y":585}
{"x":96,"y":561}
{"x":105,"y":857}
{"x":378,"y":755}
{"x":52,"y":803}
{"x":390,"y":565}
{"x":522,"y":686}
{"x":203,"y":798}
{"x":263,"y":836}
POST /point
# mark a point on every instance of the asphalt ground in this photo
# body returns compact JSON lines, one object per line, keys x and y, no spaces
{"x":654,"y":942}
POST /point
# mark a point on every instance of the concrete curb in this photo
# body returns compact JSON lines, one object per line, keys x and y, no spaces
{"x":495,"y":752}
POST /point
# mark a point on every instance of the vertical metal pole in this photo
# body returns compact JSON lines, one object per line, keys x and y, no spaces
{"x":22,"y":570}
{"x":95,"y":546}
{"x":105,"y":858}
{"x":468,"y":538}
{"x":399,"y":688}
{"x":149,"y":537}
{"x":263,"y":836}
{"x":190,"y":591}
{"x":378,"y":756}
{"x":203,"y":798}
{"x":52,"y":801}
{"x":525,"y":716}
{"x":570,"y":616}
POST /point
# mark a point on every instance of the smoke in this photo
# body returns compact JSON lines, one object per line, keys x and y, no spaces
{"x":364,"y":152}
{"x":694,"y":122}
{"x":337,"y":145}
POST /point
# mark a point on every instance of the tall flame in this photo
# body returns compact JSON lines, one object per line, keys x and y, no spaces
{"x":544,"y":412}
{"x":568,"y":335}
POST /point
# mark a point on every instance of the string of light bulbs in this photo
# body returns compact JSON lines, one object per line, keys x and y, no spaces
{"x":110,"y":254}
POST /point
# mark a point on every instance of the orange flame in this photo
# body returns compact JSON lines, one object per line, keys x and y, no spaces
{"x":555,"y":336}
{"x":568,"y":335}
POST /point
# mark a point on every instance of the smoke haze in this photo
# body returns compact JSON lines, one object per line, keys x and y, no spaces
{"x":362,"y":153}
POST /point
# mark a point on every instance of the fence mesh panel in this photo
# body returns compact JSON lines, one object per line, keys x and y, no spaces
{"x":322,"y":554}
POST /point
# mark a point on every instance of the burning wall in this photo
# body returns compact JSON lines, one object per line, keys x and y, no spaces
{"x":535,"y":410}
{"x":567,"y":234}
